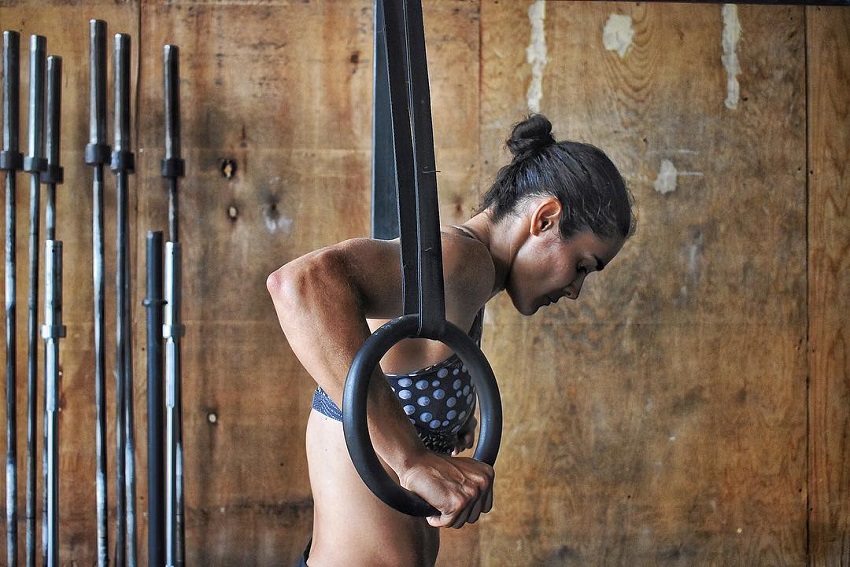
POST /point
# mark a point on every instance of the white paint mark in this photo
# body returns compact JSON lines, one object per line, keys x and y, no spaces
{"x":535,"y":54}
{"x":618,"y":34}
{"x":694,"y":255}
{"x":666,"y":181}
{"x":277,"y":223}
{"x":729,"y":41}
{"x":693,"y":258}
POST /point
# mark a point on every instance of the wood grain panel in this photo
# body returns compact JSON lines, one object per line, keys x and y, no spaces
{"x":661,"y":419}
{"x":452,"y":45}
{"x":829,"y":288}
{"x":504,"y":80}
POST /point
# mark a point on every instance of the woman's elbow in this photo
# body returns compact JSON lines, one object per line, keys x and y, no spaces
{"x":282,"y":285}
{"x":275,"y":281}
{"x":308,"y":282}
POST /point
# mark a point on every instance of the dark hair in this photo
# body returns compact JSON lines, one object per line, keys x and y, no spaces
{"x":592,"y":193}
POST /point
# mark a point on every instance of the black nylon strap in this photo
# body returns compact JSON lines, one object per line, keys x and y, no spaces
{"x":416,"y":175}
{"x":384,"y":194}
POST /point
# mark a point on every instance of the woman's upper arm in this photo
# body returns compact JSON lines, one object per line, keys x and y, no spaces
{"x":360,"y":274}
{"x":322,"y":300}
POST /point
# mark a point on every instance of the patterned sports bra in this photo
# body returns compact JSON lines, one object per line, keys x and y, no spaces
{"x":438,"y":400}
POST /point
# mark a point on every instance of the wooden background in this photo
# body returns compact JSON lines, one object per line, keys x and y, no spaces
{"x":692,"y":409}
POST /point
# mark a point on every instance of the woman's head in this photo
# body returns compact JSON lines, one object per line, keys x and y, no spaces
{"x":573,"y":208}
{"x":588,"y":185}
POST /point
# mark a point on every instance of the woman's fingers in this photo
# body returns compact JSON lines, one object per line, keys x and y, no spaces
{"x":482,"y":503}
{"x":475,"y":487}
{"x":461,"y":488}
{"x":466,"y":436}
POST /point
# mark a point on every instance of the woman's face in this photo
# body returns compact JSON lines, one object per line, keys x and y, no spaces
{"x":547,"y":268}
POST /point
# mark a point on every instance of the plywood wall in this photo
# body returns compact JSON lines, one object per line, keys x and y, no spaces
{"x":829,"y":237}
{"x":690,"y":409}
{"x":664,"y":413}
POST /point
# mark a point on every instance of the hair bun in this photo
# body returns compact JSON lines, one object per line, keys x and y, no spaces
{"x":531,"y":135}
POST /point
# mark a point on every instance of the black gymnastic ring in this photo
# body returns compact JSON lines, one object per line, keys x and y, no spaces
{"x":354,"y":407}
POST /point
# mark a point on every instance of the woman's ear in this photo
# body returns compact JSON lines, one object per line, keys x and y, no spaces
{"x":545,"y":216}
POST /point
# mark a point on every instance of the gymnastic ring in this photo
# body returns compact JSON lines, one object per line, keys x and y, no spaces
{"x":354,"y":423}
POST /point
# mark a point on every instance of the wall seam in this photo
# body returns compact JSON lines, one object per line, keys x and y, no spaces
{"x":808,"y":171}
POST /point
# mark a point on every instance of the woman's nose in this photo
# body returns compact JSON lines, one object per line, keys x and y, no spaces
{"x":574,"y":289}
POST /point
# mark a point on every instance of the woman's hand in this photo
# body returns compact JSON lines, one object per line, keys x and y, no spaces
{"x":466,"y":436}
{"x":459,"y":487}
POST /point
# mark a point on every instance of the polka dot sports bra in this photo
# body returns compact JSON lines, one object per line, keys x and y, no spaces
{"x":438,"y":400}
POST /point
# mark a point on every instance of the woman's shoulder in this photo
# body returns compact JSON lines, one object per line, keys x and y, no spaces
{"x":467,"y":266}
{"x":468,"y":270}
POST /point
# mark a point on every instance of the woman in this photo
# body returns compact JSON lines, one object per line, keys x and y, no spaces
{"x":558,"y":212}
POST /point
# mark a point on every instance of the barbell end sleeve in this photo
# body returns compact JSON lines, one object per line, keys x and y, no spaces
{"x":171,"y":79}
{"x":121,"y":63}
{"x":53,"y":173}
{"x":11,"y":93}
{"x":35,"y":161}
{"x":123,"y":160}
{"x":97,"y":86}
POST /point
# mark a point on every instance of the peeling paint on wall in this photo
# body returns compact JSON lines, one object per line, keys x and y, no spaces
{"x":694,"y":255}
{"x":666,"y":180}
{"x":618,"y":34}
{"x":279,"y":223}
{"x":536,"y":54}
{"x":729,"y":41}
{"x":668,"y":175}
{"x":274,"y":217}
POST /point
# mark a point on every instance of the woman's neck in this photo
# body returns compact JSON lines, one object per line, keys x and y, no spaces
{"x":499,"y":243}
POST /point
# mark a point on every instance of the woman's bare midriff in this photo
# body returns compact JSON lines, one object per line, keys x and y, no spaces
{"x":351,"y":527}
